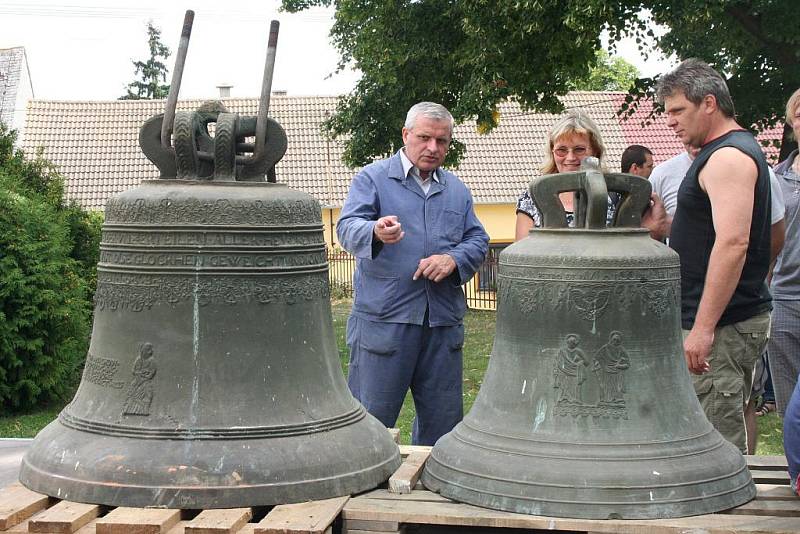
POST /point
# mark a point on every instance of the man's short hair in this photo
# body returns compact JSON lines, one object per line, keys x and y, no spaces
{"x":431,"y":110}
{"x":696,"y":79}
{"x":634,"y":154}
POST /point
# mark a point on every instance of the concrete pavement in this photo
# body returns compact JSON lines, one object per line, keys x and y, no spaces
{"x":11,"y":452}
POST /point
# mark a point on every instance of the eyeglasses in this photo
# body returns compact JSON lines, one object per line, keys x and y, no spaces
{"x":563,"y":151}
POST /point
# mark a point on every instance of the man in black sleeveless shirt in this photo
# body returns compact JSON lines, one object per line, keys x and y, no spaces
{"x":721,"y":230}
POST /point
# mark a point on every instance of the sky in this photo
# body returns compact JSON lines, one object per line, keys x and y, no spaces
{"x":83,"y":49}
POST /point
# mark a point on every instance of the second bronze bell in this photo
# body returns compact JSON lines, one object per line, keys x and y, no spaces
{"x":587,"y":409}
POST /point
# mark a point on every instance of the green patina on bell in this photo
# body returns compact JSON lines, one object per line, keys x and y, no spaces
{"x":587,"y":409}
{"x":213,"y":378}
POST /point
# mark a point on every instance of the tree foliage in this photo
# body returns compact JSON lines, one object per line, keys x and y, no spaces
{"x":152,"y":72}
{"x":610,"y":74}
{"x":46,"y":247}
{"x":753,"y":43}
{"x":472,"y":54}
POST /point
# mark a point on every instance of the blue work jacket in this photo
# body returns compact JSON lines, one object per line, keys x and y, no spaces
{"x":443,"y":222}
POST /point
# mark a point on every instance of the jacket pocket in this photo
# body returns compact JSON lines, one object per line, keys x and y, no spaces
{"x":375,"y":294}
{"x":453,"y":221}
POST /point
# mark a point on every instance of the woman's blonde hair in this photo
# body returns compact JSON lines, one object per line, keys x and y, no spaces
{"x":791,"y":107}
{"x":574,"y":121}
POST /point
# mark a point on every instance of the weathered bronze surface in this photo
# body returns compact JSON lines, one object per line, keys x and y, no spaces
{"x":587,"y":409}
{"x":213,"y":378}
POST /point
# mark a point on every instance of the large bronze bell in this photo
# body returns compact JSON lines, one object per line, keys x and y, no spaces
{"x":213,"y":378}
{"x":587,"y":408}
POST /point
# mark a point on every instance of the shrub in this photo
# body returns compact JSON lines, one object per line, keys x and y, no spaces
{"x":84,"y":235}
{"x":48,"y":259}
{"x":44,"y":306}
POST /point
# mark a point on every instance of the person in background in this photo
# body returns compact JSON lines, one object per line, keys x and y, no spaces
{"x":791,"y":437}
{"x":571,"y":139}
{"x":638,"y":160}
{"x":784,"y":344}
{"x":667,"y":177}
{"x":413,"y":230}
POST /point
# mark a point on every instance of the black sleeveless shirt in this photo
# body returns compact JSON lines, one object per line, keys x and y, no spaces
{"x":692,"y":236}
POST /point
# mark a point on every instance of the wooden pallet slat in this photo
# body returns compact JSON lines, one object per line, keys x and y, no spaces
{"x":180,"y":528}
{"x":777,"y":508}
{"x":64,"y":518}
{"x":407,"y":475}
{"x":350,"y":525}
{"x":766,"y":463}
{"x":464,"y":515}
{"x":138,"y":521}
{"x":405,"y":450}
{"x":415,"y":495}
{"x":222,"y":521}
{"x":313,"y":517}
{"x":763,"y":476}
{"x":775,"y":491}
{"x":18,"y":503}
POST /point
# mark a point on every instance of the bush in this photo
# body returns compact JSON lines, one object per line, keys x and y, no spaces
{"x":84,"y":235}
{"x":44,"y":306}
{"x":48,"y":258}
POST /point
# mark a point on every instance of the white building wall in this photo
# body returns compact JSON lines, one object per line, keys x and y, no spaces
{"x":16,"y":88}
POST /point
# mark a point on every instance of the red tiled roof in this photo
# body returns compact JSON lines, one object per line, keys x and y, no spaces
{"x":95,"y":144}
{"x":640,"y":129}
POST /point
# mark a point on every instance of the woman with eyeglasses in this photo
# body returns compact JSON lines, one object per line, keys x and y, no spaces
{"x":572,"y":138}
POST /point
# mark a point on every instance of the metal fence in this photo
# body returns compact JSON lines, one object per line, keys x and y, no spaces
{"x":480,"y":292}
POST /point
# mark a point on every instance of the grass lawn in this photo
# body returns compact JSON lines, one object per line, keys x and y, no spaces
{"x":27,"y":425}
{"x":479,"y":328}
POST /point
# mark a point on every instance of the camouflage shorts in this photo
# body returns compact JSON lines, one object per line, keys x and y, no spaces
{"x":724,"y":391}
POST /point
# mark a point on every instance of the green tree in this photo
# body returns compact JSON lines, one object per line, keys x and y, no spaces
{"x":46,"y":247}
{"x":754,"y":44}
{"x":472,"y":54}
{"x":151,"y":72}
{"x":609,"y":74}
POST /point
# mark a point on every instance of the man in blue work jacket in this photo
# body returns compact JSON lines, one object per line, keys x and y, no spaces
{"x":412,"y":228}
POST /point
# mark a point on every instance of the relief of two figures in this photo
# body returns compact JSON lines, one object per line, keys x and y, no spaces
{"x":570,"y":371}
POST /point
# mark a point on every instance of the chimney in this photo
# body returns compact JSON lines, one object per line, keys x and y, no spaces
{"x":224,"y":90}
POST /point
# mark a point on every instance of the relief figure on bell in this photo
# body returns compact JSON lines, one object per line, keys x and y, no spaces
{"x":140,"y":389}
{"x":610,"y":362}
{"x":568,"y":373}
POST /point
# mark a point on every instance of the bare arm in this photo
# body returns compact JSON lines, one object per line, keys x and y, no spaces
{"x":729,"y":179}
{"x":776,"y":240}
{"x":523,"y":226}
{"x":656,"y":219}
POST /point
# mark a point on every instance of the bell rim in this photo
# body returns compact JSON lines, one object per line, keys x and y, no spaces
{"x":587,"y":508}
{"x":270,"y":470}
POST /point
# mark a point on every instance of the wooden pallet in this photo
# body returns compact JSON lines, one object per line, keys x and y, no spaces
{"x":774,"y":510}
{"x":22,"y":510}
{"x":403,"y":506}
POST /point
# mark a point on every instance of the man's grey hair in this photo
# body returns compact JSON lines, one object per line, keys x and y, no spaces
{"x":695,"y":79}
{"x":431,"y":110}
